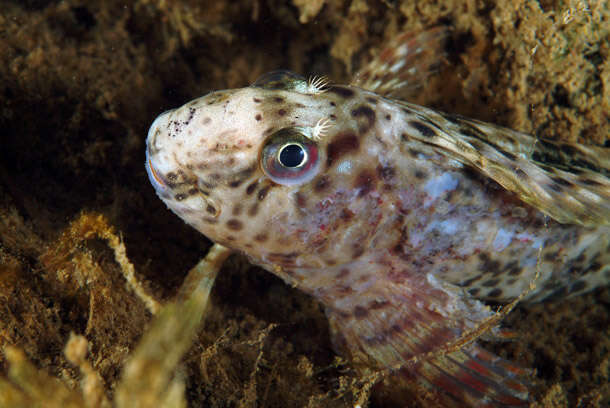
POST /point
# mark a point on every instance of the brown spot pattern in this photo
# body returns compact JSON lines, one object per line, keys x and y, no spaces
{"x":365,"y":181}
{"x":341,"y":91}
{"x":262,"y":237}
{"x":322,"y":183}
{"x":235,"y":224}
{"x":342,"y":144}
{"x":423,"y":129}
{"x":251,"y":187}
{"x":365,"y":116}
{"x":262,"y":193}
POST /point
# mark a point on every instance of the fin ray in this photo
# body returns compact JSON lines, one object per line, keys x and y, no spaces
{"x":416,"y":328}
{"x":568,"y":182}
{"x":404,"y":64}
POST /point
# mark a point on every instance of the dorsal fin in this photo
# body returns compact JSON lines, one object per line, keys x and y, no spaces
{"x":405,"y":64}
{"x":568,"y":182}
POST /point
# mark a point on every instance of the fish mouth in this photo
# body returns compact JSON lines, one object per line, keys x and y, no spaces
{"x":153,"y":176}
{"x":152,"y":149}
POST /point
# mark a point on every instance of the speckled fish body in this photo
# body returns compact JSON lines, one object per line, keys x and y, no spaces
{"x":396,"y":220}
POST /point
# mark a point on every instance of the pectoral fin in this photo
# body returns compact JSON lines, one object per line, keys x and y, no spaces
{"x":422,"y":331}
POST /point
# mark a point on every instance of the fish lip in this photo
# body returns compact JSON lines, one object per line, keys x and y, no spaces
{"x":154,"y":176}
{"x":155,"y":179}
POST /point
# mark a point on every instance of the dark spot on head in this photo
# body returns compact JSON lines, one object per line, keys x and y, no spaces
{"x":423,"y":129}
{"x":278,"y":99}
{"x":342,"y":144}
{"x":207,"y":120}
{"x":341,"y":91}
{"x":495,"y":292}
{"x":258,"y":117}
{"x":256,"y":100}
{"x":332,"y":103}
{"x":365,"y":181}
{"x":193,"y":191}
{"x":253,"y":209}
{"x":230,"y":238}
{"x":236,"y":209}
{"x":262,"y":237}
{"x":172,"y":177}
{"x":281,"y":112}
{"x":251,"y":187}
{"x":360,"y":312}
{"x":366,"y":113}
{"x":210,"y":220}
{"x":235,"y":224}
{"x":262,"y":193}
{"x":372,"y":100}
{"x":300,"y":199}
{"x":473,"y":291}
{"x":210,"y":209}
{"x":241,"y":176}
{"x":180,"y":197}
{"x":321,"y":184}
{"x":388,"y":116}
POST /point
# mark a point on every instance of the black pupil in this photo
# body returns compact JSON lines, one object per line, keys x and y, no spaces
{"x":292,"y":155}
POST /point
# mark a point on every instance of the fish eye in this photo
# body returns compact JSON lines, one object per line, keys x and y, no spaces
{"x":289,"y":157}
{"x":281,"y":79}
{"x":292,"y":155}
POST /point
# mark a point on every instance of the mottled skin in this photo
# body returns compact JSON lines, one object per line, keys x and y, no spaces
{"x":378,"y":191}
{"x":408,"y":214}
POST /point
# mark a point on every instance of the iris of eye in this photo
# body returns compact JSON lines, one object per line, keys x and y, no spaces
{"x":292,"y":155}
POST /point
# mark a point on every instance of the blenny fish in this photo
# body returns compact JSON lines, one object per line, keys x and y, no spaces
{"x":400,"y":219}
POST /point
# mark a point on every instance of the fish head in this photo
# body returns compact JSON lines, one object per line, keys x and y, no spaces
{"x":277,"y":168}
